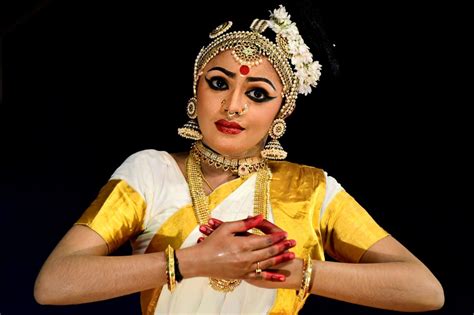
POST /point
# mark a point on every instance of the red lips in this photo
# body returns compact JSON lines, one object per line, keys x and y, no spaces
{"x":228,"y":127}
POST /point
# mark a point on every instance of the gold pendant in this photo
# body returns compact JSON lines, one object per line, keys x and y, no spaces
{"x":223,"y":285}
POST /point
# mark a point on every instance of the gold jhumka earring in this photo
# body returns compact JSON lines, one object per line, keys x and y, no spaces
{"x":190,"y":130}
{"x":273,"y":149}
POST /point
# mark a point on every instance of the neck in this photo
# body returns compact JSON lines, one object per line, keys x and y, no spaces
{"x":252,"y":152}
{"x":213,"y":163}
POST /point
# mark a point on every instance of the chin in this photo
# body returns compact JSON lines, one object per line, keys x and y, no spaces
{"x":229,"y":147}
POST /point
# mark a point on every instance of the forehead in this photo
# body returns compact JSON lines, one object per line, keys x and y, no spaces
{"x":227,"y":61}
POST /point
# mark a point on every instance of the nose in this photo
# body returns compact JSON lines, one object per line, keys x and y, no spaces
{"x":234,"y":105}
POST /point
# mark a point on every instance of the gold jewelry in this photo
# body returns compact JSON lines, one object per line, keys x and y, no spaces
{"x":230,"y":114}
{"x":248,"y":48}
{"x":258,"y":271}
{"x":170,"y":274}
{"x":273,"y":149}
{"x":201,"y":206}
{"x":289,"y":55}
{"x":241,"y":167}
{"x":190,"y":130}
{"x":207,"y":183}
{"x":221,"y":29}
{"x":306,"y":280}
{"x":244,"y":110}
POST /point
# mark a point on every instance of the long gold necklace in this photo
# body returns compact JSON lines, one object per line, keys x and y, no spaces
{"x":201,"y":206}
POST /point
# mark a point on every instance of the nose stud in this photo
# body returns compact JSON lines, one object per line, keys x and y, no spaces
{"x":232,"y":114}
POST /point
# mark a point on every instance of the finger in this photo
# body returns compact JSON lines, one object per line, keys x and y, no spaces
{"x":275,"y":254}
{"x":214,"y":223}
{"x":206,"y":230}
{"x":256,"y":242}
{"x":268,"y":227}
{"x":242,"y":225}
{"x":267,"y":275}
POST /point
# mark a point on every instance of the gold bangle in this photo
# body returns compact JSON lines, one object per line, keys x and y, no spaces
{"x":170,"y":275}
{"x":306,"y":280}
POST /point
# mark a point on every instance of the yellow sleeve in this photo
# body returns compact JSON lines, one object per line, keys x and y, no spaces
{"x":117,"y":214}
{"x":347,"y":229}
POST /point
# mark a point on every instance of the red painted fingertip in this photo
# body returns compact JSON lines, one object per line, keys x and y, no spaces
{"x":252,"y":222}
{"x":278,"y":277}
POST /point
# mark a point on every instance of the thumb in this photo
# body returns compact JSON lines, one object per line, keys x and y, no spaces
{"x":243,"y":225}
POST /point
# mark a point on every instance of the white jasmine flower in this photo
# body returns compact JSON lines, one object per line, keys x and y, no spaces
{"x":308,"y":71}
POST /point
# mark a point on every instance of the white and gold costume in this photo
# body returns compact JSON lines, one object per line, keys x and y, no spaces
{"x":147,"y":201}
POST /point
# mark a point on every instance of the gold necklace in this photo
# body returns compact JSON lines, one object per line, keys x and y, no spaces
{"x":201,"y":207}
{"x":207,"y":183}
{"x":241,"y":167}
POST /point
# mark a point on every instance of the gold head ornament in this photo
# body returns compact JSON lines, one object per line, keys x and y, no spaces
{"x":289,"y":55}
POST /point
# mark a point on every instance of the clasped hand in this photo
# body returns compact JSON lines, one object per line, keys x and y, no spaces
{"x":231,"y":252}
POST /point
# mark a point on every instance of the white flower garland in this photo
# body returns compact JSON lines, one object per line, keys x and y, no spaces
{"x":307,"y":70}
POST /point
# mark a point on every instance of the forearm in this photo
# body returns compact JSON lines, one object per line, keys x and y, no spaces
{"x":402,"y":286}
{"x":77,"y":279}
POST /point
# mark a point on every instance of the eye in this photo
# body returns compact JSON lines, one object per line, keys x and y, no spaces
{"x":259,"y":95}
{"x":217,"y":83}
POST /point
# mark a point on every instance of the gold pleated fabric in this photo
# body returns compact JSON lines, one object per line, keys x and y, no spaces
{"x":117,"y":214}
{"x":297,"y":194}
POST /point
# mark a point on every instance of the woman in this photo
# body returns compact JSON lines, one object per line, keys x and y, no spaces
{"x":263,"y":249}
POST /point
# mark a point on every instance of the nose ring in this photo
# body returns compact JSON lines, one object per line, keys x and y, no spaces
{"x":244,"y":110}
{"x":232,"y":114}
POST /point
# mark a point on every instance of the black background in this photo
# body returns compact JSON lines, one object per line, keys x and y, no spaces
{"x":87,"y":83}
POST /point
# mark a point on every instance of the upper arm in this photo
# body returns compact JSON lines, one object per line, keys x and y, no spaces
{"x":348,"y":230}
{"x":80,"y":240}
{"x":388,"y":249}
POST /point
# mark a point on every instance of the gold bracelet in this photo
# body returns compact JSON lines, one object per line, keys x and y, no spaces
{"x":306,"y":280}
{"x":170,"y":275}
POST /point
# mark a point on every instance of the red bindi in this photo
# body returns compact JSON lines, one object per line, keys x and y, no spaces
{"x":244,"y":70}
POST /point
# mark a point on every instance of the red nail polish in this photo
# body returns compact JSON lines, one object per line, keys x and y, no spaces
{"x":278,"y":277}
{"x":211,"y":222}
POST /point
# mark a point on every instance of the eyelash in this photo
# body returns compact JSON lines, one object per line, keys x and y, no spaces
{"x":215,"y":81}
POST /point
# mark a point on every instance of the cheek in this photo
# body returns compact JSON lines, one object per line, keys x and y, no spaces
{"x":264,"y":117}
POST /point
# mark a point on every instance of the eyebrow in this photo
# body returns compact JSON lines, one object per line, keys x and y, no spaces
{"x":227,"y":72}
{"x":256,"y":79}
{"x":249,"y":79}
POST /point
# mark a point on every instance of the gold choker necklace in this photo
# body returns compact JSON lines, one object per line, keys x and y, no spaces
{"x":201,"y":206}
{"x":241,"y":167}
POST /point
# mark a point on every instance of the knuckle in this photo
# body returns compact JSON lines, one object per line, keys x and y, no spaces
{"x":273,"y":250}
{"x":269,"y":240}
{"x":245,"y":246}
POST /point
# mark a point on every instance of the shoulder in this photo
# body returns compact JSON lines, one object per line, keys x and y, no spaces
{"x":297,"y":173}
{"x":294,"y":169}
{"x":149,"y":155}
{"x":147,"y":161}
